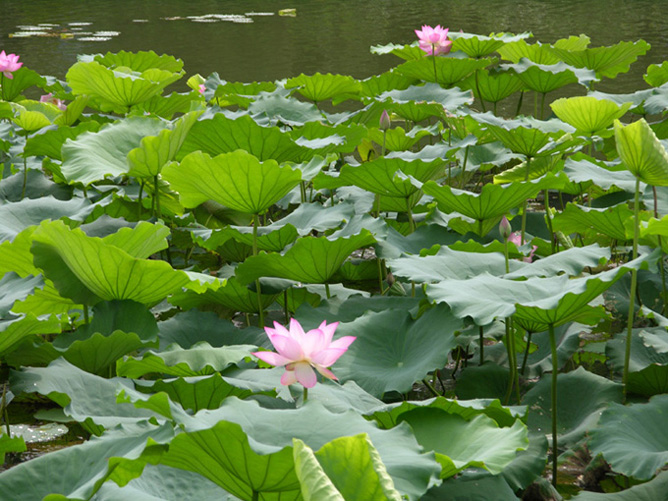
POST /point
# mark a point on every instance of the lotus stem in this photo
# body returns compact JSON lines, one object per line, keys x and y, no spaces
{"x":524,"y":205}
{"x":285,"y":306}
{"x":305,"y":395}
{"x":481,"y":333}
{"x":466,"y":157}
{"x":542,"y":106}
{"x":2,"y":85}
{"x":380,"y":276}
{"x":258,"y":287}
{"x":431,"y":388}
{"x":141,"y":192}
{"x":548,"y":218}
{"x":661,"y":263}
{"x":512,"y":364}
{"x":519,"y":103}
{"x":25,"y":177}
{"x":433,"y":51}
{"x":526,"y":352}
{"x":329,"y":296}
{"x":256,"y":494}
{"x":382,"y":151}
{"x":3,"y":406}
{"x":157,"y":196}
{"x":555,"y":368}
{"x":85,"y":313}
{"x":411,"y":221}
{"x":634,"y":285}
{"x":477,"y":88}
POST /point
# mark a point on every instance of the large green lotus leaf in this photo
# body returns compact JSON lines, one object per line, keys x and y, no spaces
{"x":117,"y":89}
{"x":15,"y":328}
{"x":237,"y":180}
{"x":648,"y":365}
{"x":309,"y":260}
{"x":72,"y":112}
{"x":162,"y":483}
{"x":321,"y":87}
{"x":141,"y":241}
{"x":50,"y":141}
{"x":587,"y":114}
{"x":233,"y":295}
{"x":476,"y":46}
{"x":579,"y":219}
{"x":633,"y":438}
{"x":538,"y":167}
{"x":83,"y":395}
{"x":44,"y":301}
{"x":387,"y":415}
{"x":428,"y":93}
{"x":449,"y":70}
{"x":199,"y":360}
{"x":167,"y":106}
{"x":138,"y":61}
{"x":269,"y":431}
{"x":15,"y":288}
{"x":223,"y":135}
{"x":404,"y":349}
{"x":493,"y":86}
{"x":407,"y":52}
{"x":493,"y":201}
{"x":80,"y":467}
{"x":546,"y":78}
{"x":352,"y":308}
{"x":424,"y":237}
{"x":383,"y":175}
{"x":605,"y":61}
{"x":396,"y":139}
{"x":89,"y":270}
{"x":581,"y":168}
{"x":649,"y":491}
{"x":280,"y":110}
{"x":190,"y":327}
{"x":537,"y":52}
{"x":37,"y":185}
{"x":341,"y":138}
{"x":449,"y":263}
{"x":268,"y":239}
{"x":487,"y":488}
{"x":16,"y":217}
{"x":22,"y":79}
{"x":642,"y":152}
{"x":657,"y":75}
{"x":375,"y":85}
{"x":155,"y":151}
{"x":198,"y":392}
{"x":418,"y":111}
{"x":34,"y":115}
{"x":575,"y":415}
{"x":460,"y":444}
{"x":93,"y":156}
{"x":349,"y":465}
{"x":552,"y":300}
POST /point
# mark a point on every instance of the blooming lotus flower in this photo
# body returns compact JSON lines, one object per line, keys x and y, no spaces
{"x":8,"y":64}
{"x":50,"y":98}
{"x":300,"y":352}
{"x":516,"y":238}
{"x":434,"y":41}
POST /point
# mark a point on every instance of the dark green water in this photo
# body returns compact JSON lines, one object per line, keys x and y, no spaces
{"x":325,"y":35}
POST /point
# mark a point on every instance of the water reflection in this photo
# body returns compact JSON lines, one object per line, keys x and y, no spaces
{"x":324,"y":35}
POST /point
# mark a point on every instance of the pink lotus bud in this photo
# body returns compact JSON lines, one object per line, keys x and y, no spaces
{"x":385,"y":121}
{"x":504,"y":228}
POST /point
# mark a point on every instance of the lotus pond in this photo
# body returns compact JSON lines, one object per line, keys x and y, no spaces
{"x":487,"y":288}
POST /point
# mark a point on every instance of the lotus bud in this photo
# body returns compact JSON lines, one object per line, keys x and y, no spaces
{"x":504,"y":228}
{"x":385,"y":121}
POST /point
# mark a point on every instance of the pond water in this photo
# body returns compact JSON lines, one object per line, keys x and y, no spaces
{"x":247,"y":40}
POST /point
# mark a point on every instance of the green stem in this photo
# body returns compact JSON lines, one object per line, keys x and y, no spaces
{"x":85,"y":312}
{"x":305,"y":395}
{"x":548,"y":218}
{"x":141,"y":192}
{"x":431,"y":388}
{"x":285,"y":306}
{"x":466,"y":157}
{"x":329,"y":296}
{"x":510,"y":346}
{"x":2,"y":86}
{"x":256,"y":494}
{"x":25,"y":177}
{"x":519,"y":103}
{"x":5,"y":414}
{"x":258,"y":287}
{"x":380,"y":276}
{"x":481,"y":333}
{"x":553,"y":349}
{"x":542,"y":105}
{"x":382,"y":151}
{"x":634,"y":284}
{"x":662,"y":268}
{"x":433,"y":49}
{"x":477,"y":88}
{"x":526,"y":353}
{"x":411,"y":221}
{"x":524,"y":205}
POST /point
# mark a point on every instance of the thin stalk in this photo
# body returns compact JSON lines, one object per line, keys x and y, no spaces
{"x":519,"y":103}
{"x":3,"y":405}
{"x":433,"y":49}
{"x":495,"y":107}
{"x":542,"y":105}
{"x":481,"y":334}
{"x":662,"y":268}
{"x":157,"y":196}
{"x":382,"y":151}
{"x":85,"y":312}
{"x":535,"y":104}
{"x":141,"y":192}
{"x":411,"y":221}
{"x":549,"y":219}
{"x":256,"y":494}
{"x":466,"y":157}
{"x":329,"y":296}
{"x":553,"y":349}
{"x":305,"y":395}
{"x":2,"y":86}
{"x":380,"y":276}
{"x":634,"y":285}
{"x":431,"y":388}
{"x":512,"y":365}
{"x":285,"y":306}
{"x":256,"y":223}
{"x":526,"y":353}
{"x":25,"y":177}
{"x":477,"y":88}
{"x":524,"y":205}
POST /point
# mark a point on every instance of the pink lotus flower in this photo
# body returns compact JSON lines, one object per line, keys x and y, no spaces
{"x":300,"y":352}
{"x":202,"y":88}
{"x":434,"y":41}
{"x":8,"y":64}
{"x":50,"y":98}
{"x":516,"y":238}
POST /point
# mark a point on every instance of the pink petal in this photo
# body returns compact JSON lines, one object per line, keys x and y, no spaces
{"x":327,"y":357}
{"x":326,"y":372}
{"x":314,"y":341}
{"x":287,"y":347}
{"x":343,"y":342}
{"x":272,"y":358}
{"x":279,"y":329}
{"x":296,"y":330}
{"x":288,"y":378}
{"x":328,"y":330}
{"x":305,"y":374}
